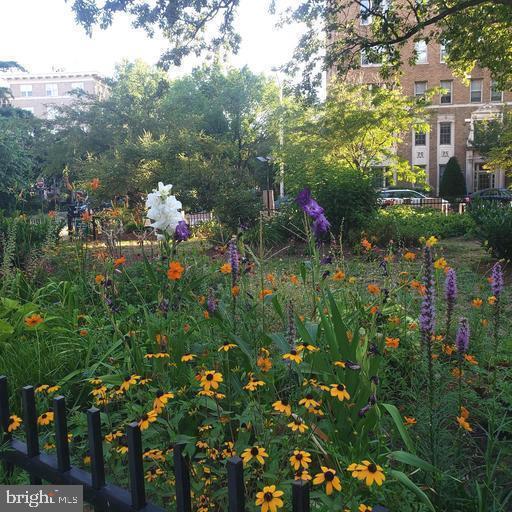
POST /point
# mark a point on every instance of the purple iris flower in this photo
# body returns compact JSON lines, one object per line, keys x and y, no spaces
{"x":307,"y":204}
{"x":303,"y":197}
{"x":321,"y":225}
{"x":182,"y":232}
{"x":462,"y":338}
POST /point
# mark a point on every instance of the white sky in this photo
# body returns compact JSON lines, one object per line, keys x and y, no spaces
{"x":42,"y":34}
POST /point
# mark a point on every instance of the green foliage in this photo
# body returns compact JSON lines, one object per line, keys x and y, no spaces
{"x":453,"y":183}
{"x":494,"y":227}
{"x":407,"y":225}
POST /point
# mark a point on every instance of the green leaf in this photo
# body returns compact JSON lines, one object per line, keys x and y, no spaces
{"x":407,"y":482}
{"x":277,"y":307}
{"x":412,"y":460}
{"x":395,"y":415}
{"x":5,"y":328}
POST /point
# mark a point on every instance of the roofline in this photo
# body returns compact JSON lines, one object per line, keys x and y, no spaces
{"x":51,"y":76}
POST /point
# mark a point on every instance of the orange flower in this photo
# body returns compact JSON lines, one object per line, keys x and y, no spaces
{"x":119,"y":261}
{"x":374,"y":309}
{"x":373,"y":289}
{"x":366,"y":245}
{"x":394,"y":320}
{"x":484,"y":322}
{"x":409,"y":256}
{"x":457,"y":373}
{"x":175,"y":271}
{"x":86,"y":216}
{"x":226,"y":268}
{"x":448,"y":349}
{"x":271,"y":279}
{"x":392,"y":342}
{"x":264,"y":293}
{"x":52,"y":214}
{"x":235,"y":291}
{"x":95,"y":183}
{"x":409,"y":421}
{"x":186,"y":328}
{"x":338,"y":276}
{"x":294,"y":279}
{"x":470,"y":359}
{"x":477,"y":302}
{"x":206,"y":315}
{"x":464,"y":412}
{"x":99,"y":279}
{"x":412,"y":326}
{"x":463,"y":423}
{"x":491,"y":300}
{"x":84,"y":332}
{"x":33,"y":320}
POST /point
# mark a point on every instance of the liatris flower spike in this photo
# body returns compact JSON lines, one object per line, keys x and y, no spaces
{"x":462,"y":338}
{"x":497,"y":280}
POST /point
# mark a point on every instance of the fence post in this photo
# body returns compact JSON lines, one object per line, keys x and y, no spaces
{"x":181,"y":472}
{"x":30,"y":419}
{"x":236,"y":491}
{"x":96,"y":448}
{"x":135,"y":466}
{"x":61,"y":434}
{"x":300,"y":496}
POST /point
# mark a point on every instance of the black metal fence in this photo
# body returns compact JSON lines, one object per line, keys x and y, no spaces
{"x":103,"y":496}
{"x":436,"y":203}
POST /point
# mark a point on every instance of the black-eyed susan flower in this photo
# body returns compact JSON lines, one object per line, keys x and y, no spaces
{"x":52,"y":389}
{"x":157,"y":355}
{"x":161,"y":400}
{"x":129,"y":380}
{"x":369,"y":472}
{"x":99,"y":392}
{"x":154,"y":454}
{"x":42,"y":388}
{"x":297,"y":425}
{"x":45,"y":419}
{"x":14,"y":423}
{"x":302,"y":474}
{"x":227,"y":346}
{"x":95,"y":381}
{"x":317,"y":411}
{"x":304,"y":346}
{"x":113,"y":435}
{"x":143,"y":381}
{"x":293,"y":355}
{"x":147,"y":419}
{"x":253,"y":384}
{"x":309,"y":401}
{"x":229,"y":450}
{"x":340,"y":392}
{"x":269,"y":499}
{"x":282,"y":406}
{"x":254,"y":452}
{"x":329,"y":478}
{"x":364,"y":508}
{"x":211,"y":379}
{"x":300,"y":459}
{"x":153,"y":474}
{"x":186,"y":358}
{"x":122,"y":445}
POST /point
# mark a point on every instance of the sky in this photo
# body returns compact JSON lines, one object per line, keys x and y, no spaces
{"x":42,"y":36}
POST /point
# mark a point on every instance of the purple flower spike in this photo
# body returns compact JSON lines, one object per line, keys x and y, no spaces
{"x":182,"y":231}
{"x":497,"y":280}
{"x":450,"y":286}
{"x":428,"y":312}
{"x":234,"y":260}
{"x":462,"y":338}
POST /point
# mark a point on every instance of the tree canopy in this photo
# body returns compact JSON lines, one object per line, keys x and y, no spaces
{"x":473,"y":31}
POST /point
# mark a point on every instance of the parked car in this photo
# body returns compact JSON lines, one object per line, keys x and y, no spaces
{"x":499,"y":195}
{"x":389,"y":197}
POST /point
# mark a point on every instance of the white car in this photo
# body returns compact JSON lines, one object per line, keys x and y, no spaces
{"x":411,"y":197}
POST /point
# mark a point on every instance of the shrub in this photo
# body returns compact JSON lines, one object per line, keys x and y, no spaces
{"x":452,"y":184}
{"x":494,"y":227}
{"x":238,"y":206}
{"x":406,"y":225}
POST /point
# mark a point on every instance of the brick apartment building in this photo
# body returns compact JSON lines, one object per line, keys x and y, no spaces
{"x":41,"y":93}
{"x":453,"y":114}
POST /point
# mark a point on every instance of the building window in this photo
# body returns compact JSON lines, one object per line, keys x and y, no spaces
{"x":442,"y":168}
{"x":364,"y":12}
{"x":446,"y":94}
{"x":496,"y":94}
{"x":25,"y":90}
{"x":445,"y":134}
{"x":77,"y":85}
{"x":482,"y":178}
{"x":52,"y":90}
{"x":442,"y":53}
{"x":420,"y":139}
{"x":420,"y":88}
{"x":420,"y":47}
{"x":476,"y":90}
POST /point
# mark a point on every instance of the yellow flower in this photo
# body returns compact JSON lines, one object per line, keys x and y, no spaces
{"x":147,"y":419}
{"x":113,"y":435}
{"x":45,"y":418}
{"x":491,"y":300}
{"x":307,"y":347}
{"x":254,"y":452}
{"x":338,"y":276}
{"x":158,"y":355}
{"x":340,"y":392}
{"x":303,"y":475}
{"x":431,"y":241}
{"x":42,"y":388}
{"x":300,"y":459}
{"x":269,"y":499}
{"x":185,"y":358}
{"x":226,"y":268}
{"x":153,"y":474}
{"x":364,"y":508}
{"x":129,"y":380}
{"x":328,"y":476}
{"x":440,"y":263}
{"x":161,"y":400}
{"x":294,"y":356}
{"x":477,"y":302}
{"x":211,"y":379}
{"x":282,"y":406}
{"x":352,"y":280}
{"x":298,"y":425}
{"x":253,"y":384}
{"x":14,"y":423}
{"x":52,"y":389}
{"x":226,"y":346}
{"x":368,"y":471}
{"x":309,"y":402}
{"x":33,"y":320}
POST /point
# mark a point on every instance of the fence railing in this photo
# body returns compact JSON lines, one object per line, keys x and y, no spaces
{"x":194,"y":219}
{"x":104,"y":496}
{"x":437,"y":203}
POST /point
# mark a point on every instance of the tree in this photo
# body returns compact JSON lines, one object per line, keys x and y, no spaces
{"x":453,"y":184}
{"x":5,"y":92}
{"x":473,"y":31}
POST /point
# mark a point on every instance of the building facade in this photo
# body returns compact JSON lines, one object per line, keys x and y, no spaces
{"x":454,"y":111}
{"x":42,"y":93}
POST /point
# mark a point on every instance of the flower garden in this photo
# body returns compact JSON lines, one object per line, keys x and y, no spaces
{"x":381,"y":377}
